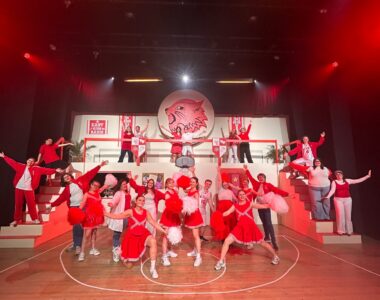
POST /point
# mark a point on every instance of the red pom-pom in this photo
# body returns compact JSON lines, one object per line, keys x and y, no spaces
{"x":174,"y":204}
{"x":217,"y":224}
{"x":183,"y":182}
{"x":225,"y":177}
{"x":75,"y":216}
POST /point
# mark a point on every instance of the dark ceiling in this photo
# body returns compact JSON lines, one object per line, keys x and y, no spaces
{"x":209,"y":39}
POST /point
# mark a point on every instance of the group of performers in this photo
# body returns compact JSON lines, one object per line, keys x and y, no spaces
{"x":185,"y":204}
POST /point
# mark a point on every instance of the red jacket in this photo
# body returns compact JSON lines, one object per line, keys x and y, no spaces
{"x":35,"y":171}
{"x":313,"y":145}
{"x":83,"y":182}
{"x":140,"y":190}
{"x":268,"y":187}
{"x":245,"y":135}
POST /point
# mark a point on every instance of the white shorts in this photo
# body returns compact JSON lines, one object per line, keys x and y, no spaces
{"x":187,"y":149}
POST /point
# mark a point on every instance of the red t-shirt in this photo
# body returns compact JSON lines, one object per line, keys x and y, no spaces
{"x":48,"y":153}
{"x":127,"y":145}
{"x":245,"y":135}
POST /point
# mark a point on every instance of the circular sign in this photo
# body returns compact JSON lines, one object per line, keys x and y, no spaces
{"x":186,"y":109}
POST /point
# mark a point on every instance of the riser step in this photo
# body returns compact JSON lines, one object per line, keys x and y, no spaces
{"x":20,"y":242}
{"x":21,"y":230}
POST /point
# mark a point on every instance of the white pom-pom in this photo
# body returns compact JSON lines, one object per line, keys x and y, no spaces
{"x":267,"y":198}
{"x":175,"y":235}
{"x":110,"y":180}
{"x":190,"y":205}
{"x":279,"y":204}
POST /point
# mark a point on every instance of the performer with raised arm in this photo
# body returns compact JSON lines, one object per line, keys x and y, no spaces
{"x":246,"y":231}
{"x":48,"y":154}
{"x":121,"y":201}
{"x":306,"y":151}
{"x":340,"y":188}
{"x":187,"y":143}
{"x":169,"y":219}
{"x":176,"y":149}
{"x":94,"y":217}
{"x":26,"y":180}
{"x":244,"y":148}
{"x":73,"y":196}
{"x":152,"y":197}
{"x":126,"y":146}
{"x":141,"y":133}
{"x":137,"y":236}
{"x":265,"y":191}
{"x":232,"y":146}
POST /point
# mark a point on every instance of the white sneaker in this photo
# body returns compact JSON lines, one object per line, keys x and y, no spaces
{"x":198,"y":261}
{"x":36,"y":221}
{"x":77,"y":250}
{"x":81,"y":256}
{"x":165,"y":261}
{"x":171,"y":253}
{"x":275,"y":260}
{"x":154,"y":273}
{"x":94,"y":251}
{"x":192,"y":253}
{"x":13,"y":224}
{"x":219,"y":265}
{"x":115,"y":254}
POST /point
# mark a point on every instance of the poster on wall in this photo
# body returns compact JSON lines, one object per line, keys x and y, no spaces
{"x":97,"y":127}
{"x":157,"y":177}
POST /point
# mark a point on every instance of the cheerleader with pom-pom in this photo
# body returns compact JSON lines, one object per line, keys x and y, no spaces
{"x":268,"y":194}
{"x":94,"y":216}
{"x":137,"y":237}
{"x":152,"y":197}
{"x":193,"y":218}
{"x":246,"y":231}
{"x":170,"y":219}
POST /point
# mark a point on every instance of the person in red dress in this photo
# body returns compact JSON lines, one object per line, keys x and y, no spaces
{"x":137,"y":237}
{"x":26,"y":180}
{"x":169,"y":219}
{"x":176,"y":150}
{"x":194,"y":220}
{"x":94,"y":217}
{"x":246,"y":231}
{"x":245,"y":187}
{"x":126,"y":146}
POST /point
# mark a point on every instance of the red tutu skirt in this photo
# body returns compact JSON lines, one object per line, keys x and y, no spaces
{"x":176,"y":148}
{"x":229,"y":221}
{"x":94,"y":215}
{"x":170,"y":219}
{"x":134,"y":243}
{"x":194,"y":220}
{"x":246,"y":232}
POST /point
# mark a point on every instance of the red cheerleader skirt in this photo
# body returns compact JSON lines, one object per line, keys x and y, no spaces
{"x":194,"y":220}
{"x":170,"y":219}
{"x":246,"y":232}
{"x":134,"y":244}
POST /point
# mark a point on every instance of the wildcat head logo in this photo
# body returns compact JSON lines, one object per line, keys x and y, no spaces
{"x":187,"y":114}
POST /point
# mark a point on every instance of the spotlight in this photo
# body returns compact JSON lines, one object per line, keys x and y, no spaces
{"x":52,"y":47}
{"x":255,"y":81}
{"x":112,"y":78}
{"x":185,"y":78}
{"x":27,"y":55}
{"x":335,"y":64}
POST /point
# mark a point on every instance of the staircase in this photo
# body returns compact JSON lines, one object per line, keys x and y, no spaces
{"x":299,"y":216}
{"x":30,"y":235}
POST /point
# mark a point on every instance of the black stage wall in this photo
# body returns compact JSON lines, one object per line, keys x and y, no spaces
{"x":36,"y":106}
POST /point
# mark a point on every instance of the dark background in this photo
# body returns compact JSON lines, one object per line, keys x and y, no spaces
{"x":272,"y":41}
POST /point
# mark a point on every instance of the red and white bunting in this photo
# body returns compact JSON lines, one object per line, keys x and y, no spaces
{"x":138,"y":146}
{"x":219,"y":146}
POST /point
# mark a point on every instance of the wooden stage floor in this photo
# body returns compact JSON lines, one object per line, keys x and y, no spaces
{"x":307,"y":270}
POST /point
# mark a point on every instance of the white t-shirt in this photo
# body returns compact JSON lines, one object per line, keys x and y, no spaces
{"x":319,"y":177}
{"x":25,"y":182}
{"x":76,"y":194}
{"x":186,"y":137}
{"x":226,"y":194}
{"x":203,"y":198}
{"x":306,"y":152}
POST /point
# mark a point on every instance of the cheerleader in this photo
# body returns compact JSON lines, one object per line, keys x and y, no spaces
{"x":176,"y":149}
{"x":121,"y":201}
{"x":137,"y":237}
{"x":193,"y":219}
{"x":169,"y":219}
{"x":246,"y":231}
{"x":94,"y":217}
{"x":226,"y":198}
{"x":262,"y":188}
{"x":152,"y":197}
{"x":249,"y":192}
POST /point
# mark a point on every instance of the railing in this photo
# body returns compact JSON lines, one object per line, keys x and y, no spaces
{"x":195,"y":141}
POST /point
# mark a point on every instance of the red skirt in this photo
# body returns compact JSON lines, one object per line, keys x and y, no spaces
{"x":169,"y":219}
{"x":229,"y":221}
{"x":176,"y":148}
{"x":194,"y":220}
{"x":134,"y":244}
{"x":246,"y":232}
{"x":94,"y":215}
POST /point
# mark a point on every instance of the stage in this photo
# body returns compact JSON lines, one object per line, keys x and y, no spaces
{"x":308,"y":270}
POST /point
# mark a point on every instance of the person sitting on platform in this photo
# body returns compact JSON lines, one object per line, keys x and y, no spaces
{"x":26,"y":181}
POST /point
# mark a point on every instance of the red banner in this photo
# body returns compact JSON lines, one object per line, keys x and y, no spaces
{"x":97,"y":127}
{"x":235,"y":122}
